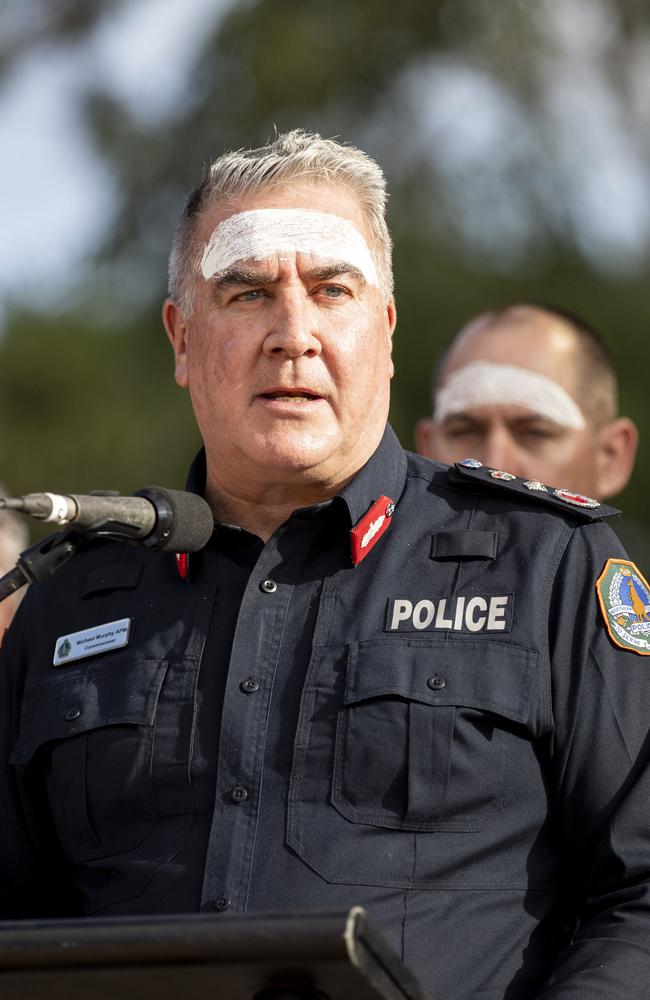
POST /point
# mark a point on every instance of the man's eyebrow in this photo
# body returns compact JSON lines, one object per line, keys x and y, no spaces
{"x":536,"y":418}
{"x":243,"y":276}
{"x":253,"y":276}
{"x":465,"y":415}
{"x":334,"y":270}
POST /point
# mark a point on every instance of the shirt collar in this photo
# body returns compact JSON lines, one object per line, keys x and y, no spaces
{"x":383,"y":474}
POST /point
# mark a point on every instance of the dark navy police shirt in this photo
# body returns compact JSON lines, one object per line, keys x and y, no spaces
{"x":444,"y":734}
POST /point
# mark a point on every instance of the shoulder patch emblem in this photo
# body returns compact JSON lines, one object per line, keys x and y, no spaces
{"x":624,"y":598}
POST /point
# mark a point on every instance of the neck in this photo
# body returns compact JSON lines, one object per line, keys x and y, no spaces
{"x":261,"y":509}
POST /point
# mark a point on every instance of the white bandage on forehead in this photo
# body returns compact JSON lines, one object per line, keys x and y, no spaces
{"x":263,"y":232}
{"x":483,"y":383}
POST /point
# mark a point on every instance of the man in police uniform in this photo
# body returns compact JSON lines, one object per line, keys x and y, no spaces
{"x":387,"y":682}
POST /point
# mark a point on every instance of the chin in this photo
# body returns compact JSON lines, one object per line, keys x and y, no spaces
{"x":291,"y":452}
{"x":296,"y":461}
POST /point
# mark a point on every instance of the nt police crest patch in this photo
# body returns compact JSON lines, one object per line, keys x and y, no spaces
{"x":624,"y":597}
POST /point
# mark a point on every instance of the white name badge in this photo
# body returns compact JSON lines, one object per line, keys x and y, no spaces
{"x":90,"y":641}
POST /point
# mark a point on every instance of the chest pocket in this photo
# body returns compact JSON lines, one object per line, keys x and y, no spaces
{"x":426,"y":731}
{"x":88,"y":733}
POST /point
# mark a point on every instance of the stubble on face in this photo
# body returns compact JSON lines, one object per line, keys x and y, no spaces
{"x":294,"y":326}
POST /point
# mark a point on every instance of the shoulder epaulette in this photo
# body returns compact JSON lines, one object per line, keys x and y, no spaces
{"x":565,"y":499}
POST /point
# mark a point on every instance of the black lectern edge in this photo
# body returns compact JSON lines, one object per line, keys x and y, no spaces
{"x":360,"y":932}
{"x":178,"y":939}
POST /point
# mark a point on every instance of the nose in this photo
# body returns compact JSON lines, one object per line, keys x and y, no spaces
{"x":293,"y":329}
{"x":502,"y":452}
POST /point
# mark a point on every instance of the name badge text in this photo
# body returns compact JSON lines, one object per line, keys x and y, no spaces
{"x":90,"y":641}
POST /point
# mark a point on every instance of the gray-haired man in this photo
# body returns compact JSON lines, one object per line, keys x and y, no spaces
{"x":384,"y":681}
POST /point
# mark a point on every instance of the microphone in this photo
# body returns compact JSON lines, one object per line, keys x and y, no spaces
{"x":154,"y":517}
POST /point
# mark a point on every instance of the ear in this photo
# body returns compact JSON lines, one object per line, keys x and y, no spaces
{"x":615,"y":454}
{"x":176,"y":328}
{"x":391,"y":321}
{"x":423,"y":437}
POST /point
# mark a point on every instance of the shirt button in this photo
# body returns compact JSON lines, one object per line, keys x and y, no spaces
{"x":220,"y":904}
{"x":249,"y":685}
{"x":238,"y":794}
{"x":436,"y":682}
{"x":72,"y":714}
{"x":268,"y":586}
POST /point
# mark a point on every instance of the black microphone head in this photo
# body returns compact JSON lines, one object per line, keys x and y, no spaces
{"x":184,"y":520}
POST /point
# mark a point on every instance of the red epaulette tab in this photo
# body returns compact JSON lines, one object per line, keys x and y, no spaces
{"x":369,"y":529}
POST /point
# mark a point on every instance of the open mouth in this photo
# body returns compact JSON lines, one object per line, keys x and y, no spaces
{"x":291,"y":395}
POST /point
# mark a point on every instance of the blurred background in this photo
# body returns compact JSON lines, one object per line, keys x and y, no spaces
{"x":515,"y":136}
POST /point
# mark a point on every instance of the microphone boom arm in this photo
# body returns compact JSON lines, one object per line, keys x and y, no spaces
{"x":153,"y":517}
{"x":40,"y":560}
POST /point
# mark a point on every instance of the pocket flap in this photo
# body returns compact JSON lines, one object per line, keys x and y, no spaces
{"x":465,"y":544}
{"x":120,"y":576}
{"x":476,"y":673}
{"x":75,"y":703}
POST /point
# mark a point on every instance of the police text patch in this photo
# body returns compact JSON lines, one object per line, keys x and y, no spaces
{"x":469,"y":613}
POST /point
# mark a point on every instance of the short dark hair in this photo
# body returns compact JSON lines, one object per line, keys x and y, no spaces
{"x":598,"y":382}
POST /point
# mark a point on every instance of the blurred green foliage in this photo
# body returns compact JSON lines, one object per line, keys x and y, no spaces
{"x":87,"y":396}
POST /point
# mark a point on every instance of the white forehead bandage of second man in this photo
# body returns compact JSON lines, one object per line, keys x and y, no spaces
{"x":483,"y":383}
{"x":263,"y":232}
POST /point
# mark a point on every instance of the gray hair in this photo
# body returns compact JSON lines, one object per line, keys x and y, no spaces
{"x":291,"y":156}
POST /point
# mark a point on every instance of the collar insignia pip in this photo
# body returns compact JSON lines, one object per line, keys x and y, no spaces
{"x":577,"y":499}
{"x":624,"y":598}
{"x":369,"y":529}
